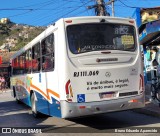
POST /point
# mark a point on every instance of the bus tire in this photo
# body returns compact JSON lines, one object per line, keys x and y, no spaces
{"x":158,"y":94}
{"x":18,"y":101}
{"x":34,"y":106}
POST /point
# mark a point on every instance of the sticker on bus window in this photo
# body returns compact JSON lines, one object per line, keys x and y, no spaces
{"x":127,"y":40}
{"x":80,"y":98}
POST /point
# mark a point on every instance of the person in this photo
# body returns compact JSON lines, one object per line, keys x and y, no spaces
{"x":0,"y":83}
{"x":47,"y":62}
{"x":3,"y":83}
{"x":154,"y":62}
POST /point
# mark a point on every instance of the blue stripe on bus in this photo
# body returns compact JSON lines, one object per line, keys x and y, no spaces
{"x":45,"y":107}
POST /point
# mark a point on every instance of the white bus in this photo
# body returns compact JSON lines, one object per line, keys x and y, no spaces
{"x":80,"y":66}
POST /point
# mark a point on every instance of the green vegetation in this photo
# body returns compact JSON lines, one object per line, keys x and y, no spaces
{"x":22,"y":33}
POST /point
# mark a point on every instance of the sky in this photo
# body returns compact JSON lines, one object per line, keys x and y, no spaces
{"x":46,"y":12}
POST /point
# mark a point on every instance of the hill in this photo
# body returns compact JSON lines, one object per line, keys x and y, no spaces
{"x":14,"y":36}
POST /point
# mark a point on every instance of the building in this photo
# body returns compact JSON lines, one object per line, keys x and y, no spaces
{"x":148,"y":21}
{"x":5,"y":65}
{"x":4,"y":20}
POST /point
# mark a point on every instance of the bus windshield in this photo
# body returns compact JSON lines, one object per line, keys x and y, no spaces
{"x":95,"y":37}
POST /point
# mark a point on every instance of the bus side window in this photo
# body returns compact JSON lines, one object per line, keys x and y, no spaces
{"x":36,"y":58}
{"x":47,"y":63}
{"x":23,"y":61}
{"x":43,"y":48}
{"x":47,"y":47}
{"x":28,"y":63}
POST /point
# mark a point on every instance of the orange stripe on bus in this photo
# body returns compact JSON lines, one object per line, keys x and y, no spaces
{"x":48,"y":90}
{"x":35,"y":87}
{"x":52,"y":92}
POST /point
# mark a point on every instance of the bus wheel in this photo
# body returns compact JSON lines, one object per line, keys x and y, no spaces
{"x":18,"y":101}
{"x":34,"y":107}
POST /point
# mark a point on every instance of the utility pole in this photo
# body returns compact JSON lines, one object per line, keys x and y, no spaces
{"x":113,"y":8}
{"x":111,"y":2}
{"x":101,"y":9}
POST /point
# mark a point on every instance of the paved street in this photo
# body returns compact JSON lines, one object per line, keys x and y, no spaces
{"x":13,"y":114}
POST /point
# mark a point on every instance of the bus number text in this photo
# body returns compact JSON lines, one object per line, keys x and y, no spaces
{"x":86,"y":73}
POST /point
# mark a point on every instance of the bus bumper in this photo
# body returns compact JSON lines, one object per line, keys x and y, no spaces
{"x":71,"y":109}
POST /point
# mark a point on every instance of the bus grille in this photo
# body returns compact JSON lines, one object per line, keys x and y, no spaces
{"x":128,"y":93}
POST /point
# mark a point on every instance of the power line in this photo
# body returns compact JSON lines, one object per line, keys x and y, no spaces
{"x":37,"y":4}
{"x":68,"y":13}
{"x":30,"y":10}
{"x":130,"y":6}
{"x":59,"y":10}
{"x":83,"y":3}
{"x":29,"y":5}
{"x":126,"y":4}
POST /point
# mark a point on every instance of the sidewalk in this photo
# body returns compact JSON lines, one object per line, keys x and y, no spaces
{"x":151,"y":108}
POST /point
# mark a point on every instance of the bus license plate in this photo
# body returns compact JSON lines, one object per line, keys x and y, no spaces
{"x":107,"y":95}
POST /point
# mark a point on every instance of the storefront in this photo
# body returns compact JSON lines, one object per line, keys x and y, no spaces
{"x":5,"y":65}
{"x":148,"y":21}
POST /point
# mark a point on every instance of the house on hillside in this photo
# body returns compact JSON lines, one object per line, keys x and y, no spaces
{"x":4,"y":20}
{"x":9,"y":42}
